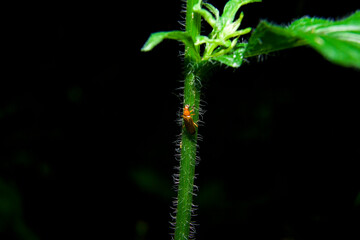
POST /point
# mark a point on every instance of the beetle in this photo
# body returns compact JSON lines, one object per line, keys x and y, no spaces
{"x":188,"y":121}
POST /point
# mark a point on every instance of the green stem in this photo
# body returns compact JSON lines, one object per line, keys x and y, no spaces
{"x":193,"y":27}
{"x":188,"y":141}
{"x":187,"y":165}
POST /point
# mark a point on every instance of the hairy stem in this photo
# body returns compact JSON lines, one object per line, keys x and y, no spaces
{"x":187,"y":165}
{"x":188,"y":141}
{"x":193,"y":27}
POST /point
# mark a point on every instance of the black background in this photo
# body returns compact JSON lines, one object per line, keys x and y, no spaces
{"x":88,"y":125}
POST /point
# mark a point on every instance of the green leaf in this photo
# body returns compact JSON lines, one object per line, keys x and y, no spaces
{"x":205,"y":14}
{"x":234,"y":58}
{"x":225,"y":33}
{"x":213,"y":10}
{"x":203,"y":39}
{"x":158,"y":37}
{"x":269,"y":38}
{"x":231,"y":9}
{"x":337,"y":41}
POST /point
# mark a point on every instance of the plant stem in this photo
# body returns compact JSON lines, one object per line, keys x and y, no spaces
{"x":193,"y":27}
{"x":188,"y":141}
{"x":187,"y":165}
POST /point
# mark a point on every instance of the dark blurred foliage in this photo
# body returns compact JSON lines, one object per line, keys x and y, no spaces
{"x":88,"y":124}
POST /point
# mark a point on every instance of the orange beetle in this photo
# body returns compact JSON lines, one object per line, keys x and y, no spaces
{"x":188,"y":121}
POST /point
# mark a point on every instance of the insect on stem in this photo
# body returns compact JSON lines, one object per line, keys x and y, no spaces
{"x":188,"y":121}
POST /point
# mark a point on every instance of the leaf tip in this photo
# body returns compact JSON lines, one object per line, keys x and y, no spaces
{"x":145,"y":48}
